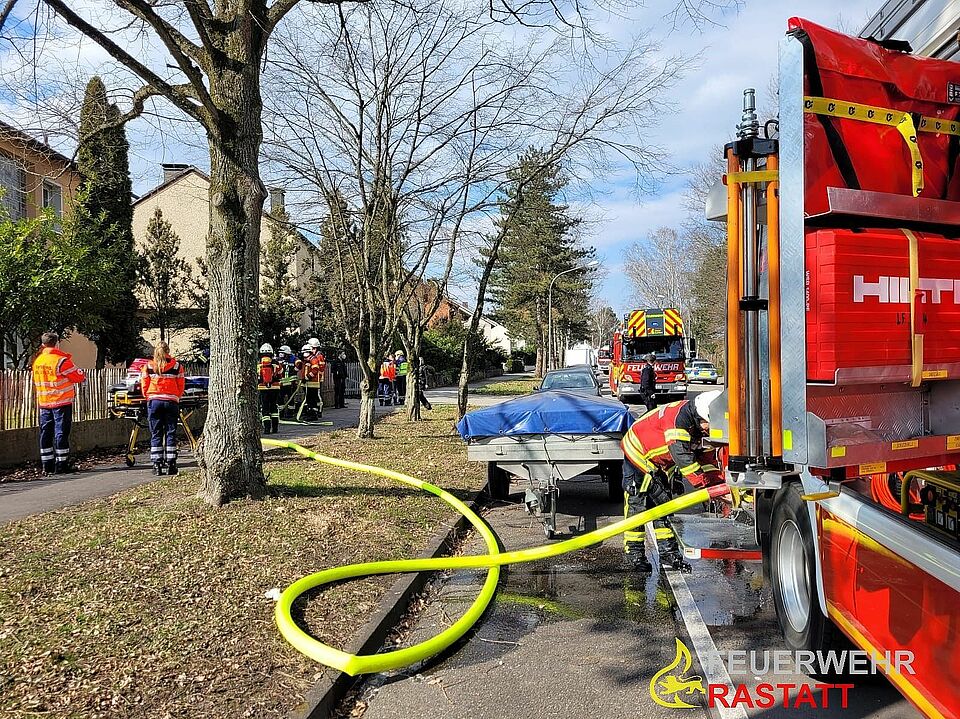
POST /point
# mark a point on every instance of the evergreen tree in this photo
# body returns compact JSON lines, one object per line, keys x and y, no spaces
{"x":538,"y":245}
{"x":105,"y":210}
{"x":165,"y":277}
{"x":281,"y":303}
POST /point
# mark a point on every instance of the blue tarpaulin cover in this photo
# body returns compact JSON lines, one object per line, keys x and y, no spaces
{"x":551,"y":412}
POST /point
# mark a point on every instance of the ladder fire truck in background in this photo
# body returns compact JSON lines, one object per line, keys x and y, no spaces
{"x":842,"y":400}
{"x":658,"y":331}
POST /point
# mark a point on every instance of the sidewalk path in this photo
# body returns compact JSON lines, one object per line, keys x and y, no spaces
{"x":21,"y":499}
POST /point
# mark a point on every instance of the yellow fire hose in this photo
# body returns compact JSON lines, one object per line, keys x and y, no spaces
{"x":354,"y":664}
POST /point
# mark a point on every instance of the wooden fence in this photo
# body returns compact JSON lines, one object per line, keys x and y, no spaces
{"x":18,"y":402}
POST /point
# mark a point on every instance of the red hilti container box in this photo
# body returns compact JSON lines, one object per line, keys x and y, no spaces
{"x":858,"y":305}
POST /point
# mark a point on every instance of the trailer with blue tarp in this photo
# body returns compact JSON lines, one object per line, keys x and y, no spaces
{"x":545,"y":438}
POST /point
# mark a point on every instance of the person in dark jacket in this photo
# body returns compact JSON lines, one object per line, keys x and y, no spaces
{"x":421,"y":373}
{"x":648,"y":383}
{"x":338,"y":368}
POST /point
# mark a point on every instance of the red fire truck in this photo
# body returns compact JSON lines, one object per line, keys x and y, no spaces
{"x":842,"y":402}
{"x":657,"y":331}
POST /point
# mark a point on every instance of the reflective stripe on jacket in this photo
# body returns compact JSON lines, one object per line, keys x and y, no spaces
{"x":316,"y":366}
{"x":164,"y":383}
{"x":54,"y":377}
{"x":388,"y":370}
{"x":663,"y":438}
{"x":270,"y":374}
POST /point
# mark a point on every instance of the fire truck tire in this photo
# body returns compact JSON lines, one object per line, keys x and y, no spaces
{"x":793,"y":575}
{"x":612,"y":473}
{"x":498,"y":481}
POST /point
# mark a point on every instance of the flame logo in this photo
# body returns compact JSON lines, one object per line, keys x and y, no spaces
{"x":671,"y":682}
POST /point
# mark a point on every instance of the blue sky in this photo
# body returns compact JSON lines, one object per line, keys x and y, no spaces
{"x":739,"y":53}
{"x":700,"y":113}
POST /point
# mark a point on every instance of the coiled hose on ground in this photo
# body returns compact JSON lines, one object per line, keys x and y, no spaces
{"x":354,"y":664}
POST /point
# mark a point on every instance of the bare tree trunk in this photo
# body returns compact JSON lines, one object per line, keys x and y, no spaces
{"x":413,"y":381}
{"x":463,"y":386}
{"x":368,"y":403}
{"x":232,"y":459}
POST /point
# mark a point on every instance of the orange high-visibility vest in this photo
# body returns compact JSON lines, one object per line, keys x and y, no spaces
{"x":54,"y":377}
{"x":164,"y":383}
{"x":388,"y":370}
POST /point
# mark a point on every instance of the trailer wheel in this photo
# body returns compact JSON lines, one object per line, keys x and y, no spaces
{"x":498,"y":481}
{"x":793,"y":575}
{"x":612,"y":472}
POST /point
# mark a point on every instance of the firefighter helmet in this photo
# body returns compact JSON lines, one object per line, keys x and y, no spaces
{"x":285,"y":349}
{"x":314,"y":343}
{"x":266,"y":349}
{"x":702,"y":403}
{"x":306,"y":348}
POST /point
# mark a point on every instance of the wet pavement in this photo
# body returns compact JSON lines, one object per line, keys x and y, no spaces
{"x":577,"y":636}
{"x":582,"y":635}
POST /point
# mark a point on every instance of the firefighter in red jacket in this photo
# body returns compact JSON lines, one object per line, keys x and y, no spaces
{"x":269,"y":376}
{"x":662,"y":443}
{"x":162,"y":382}
{"x":54,"y":377}
{"x":311,"y":369}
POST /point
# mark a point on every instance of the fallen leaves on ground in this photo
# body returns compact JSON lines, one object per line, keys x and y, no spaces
{"x":149,"y":603}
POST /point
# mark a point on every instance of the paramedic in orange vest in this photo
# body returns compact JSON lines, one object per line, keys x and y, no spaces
{"x":658,"y":445}
{"x":270,"y":373}
{"x":54,"y":377}
{"x":388,"y":373}
{"x":162,"y":382}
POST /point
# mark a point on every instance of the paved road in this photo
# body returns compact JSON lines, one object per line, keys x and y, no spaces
{"x":583,"y":635}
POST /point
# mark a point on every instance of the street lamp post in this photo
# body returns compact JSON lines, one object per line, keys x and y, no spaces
{"x":592,"y":263}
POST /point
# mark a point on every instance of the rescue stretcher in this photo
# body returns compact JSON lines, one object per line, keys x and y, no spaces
{"x":294,"y":402}
{"x":543,"y":439}
{"x":126,"y":401}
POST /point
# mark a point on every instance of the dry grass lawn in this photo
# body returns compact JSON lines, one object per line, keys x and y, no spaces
{"x":151,"y":604}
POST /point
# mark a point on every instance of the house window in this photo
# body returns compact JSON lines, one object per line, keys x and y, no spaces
{"x":53,"y":197}
{"x":13,"y":180}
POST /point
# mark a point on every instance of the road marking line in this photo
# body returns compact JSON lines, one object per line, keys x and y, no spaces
{"x":703,"y":644}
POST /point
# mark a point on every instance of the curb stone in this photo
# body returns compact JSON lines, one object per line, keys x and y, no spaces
{"x":326,"y":694}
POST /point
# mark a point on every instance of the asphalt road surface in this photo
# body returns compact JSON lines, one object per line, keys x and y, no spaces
{"x":583,"y":635}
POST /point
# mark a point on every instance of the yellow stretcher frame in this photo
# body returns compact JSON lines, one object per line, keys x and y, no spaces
{"x":134,"y":409}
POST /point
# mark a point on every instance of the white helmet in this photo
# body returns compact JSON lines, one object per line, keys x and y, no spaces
{"x":266,"y":348}
{"x":313,"y":342}
{"x":306,"y":348}
{"x":285,"y":349}
{"x":702,"y":403}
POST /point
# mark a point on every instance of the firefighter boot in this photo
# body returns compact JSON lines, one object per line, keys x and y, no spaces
{"x":172,"y":467}
{"x":49,"y":467}
{"x":671,"y":556}
{"x":158,"y":469}
{"x":274,"y":423}
{"x":638,"y":559}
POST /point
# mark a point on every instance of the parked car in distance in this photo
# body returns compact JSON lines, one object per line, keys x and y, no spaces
{"x":579,"y":378}
{"x":702,"y":371}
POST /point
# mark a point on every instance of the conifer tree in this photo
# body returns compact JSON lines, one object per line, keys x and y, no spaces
{"x":165,"y":278}
{"x":539,"y":243}
{"x":105,"y":209}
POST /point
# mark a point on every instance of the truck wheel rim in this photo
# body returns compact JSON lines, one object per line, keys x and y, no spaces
{"x":792,"y":574}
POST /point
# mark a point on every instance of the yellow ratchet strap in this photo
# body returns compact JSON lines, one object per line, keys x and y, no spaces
{"x":902,"y":121}
{"x":916,"y":340}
